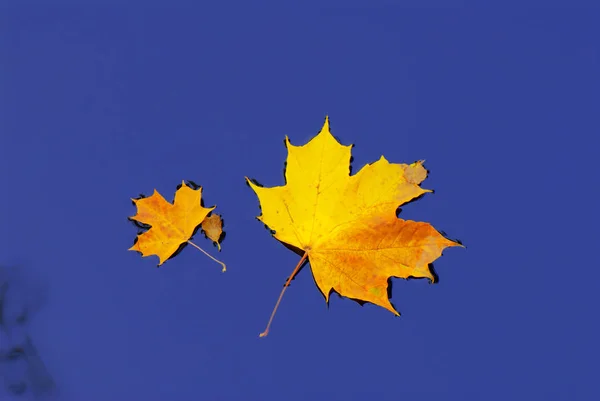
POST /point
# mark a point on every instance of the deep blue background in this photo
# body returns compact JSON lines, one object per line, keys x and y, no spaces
{"x":99,"y":104}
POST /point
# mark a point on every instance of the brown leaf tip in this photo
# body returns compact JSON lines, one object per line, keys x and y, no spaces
{"x":212,"y":226}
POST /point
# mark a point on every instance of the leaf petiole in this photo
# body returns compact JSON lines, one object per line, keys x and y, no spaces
{"x":206,"y":253}
{"x":287,"y":284}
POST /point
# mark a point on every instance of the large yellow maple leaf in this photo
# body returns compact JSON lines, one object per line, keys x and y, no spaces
{"x":170,"y":226}
{"x":346,"y":225}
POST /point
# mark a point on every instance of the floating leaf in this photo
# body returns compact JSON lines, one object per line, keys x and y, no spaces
{"x":346,"y":225}
{"x":170,"y":225}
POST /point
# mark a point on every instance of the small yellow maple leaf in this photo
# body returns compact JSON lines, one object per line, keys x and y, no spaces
{"x":346,"y":226}
{"x":170,"y":225}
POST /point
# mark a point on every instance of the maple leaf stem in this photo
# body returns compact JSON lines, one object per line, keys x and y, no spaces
{"x":287,"y":284}
{"x":206,"y":253}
